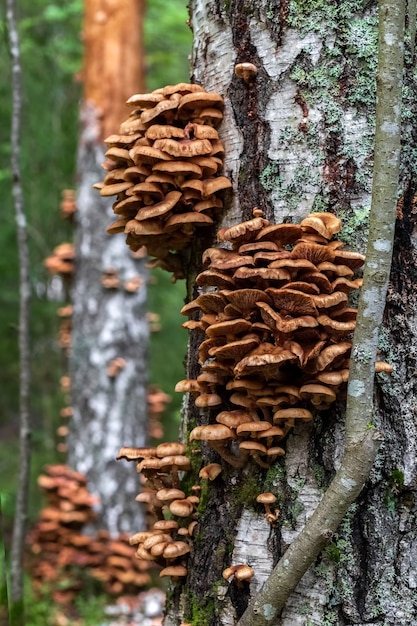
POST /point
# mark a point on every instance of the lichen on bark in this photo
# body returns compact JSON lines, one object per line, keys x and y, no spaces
{"x":314,"y":141}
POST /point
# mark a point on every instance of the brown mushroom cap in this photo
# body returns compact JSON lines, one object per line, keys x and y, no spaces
{"x":247,"y":71}
{"x":188,"y":385}
{"x":134,"y":454}
{"x":266,"y":498}
{"x":292,"y":302}
{"x":176,"y":571}
{"x":176,"y":549}
{"x":179,"y":461}
{"x":170,"y":493}
{"x":229,"y":327}
{"x":144,"y":100}
{"x":165,"y":525}
{"x":281,"y":234}
{"x":354,"y":260}
{"x":244,"y":300}
{"x":234,"y":418}
{"x":244,"y":232}
{"x":267,"y":364}
{"x":184,"y":147}
{"x":252,"y":429}
{"x":214,"y":278}
{"x":169,"y":449}
{"x":210,"y":471}
{"x":381,"y":367}
{"x":181,"y":508}
{"x":244,"y":572}
{"x":212,"y":432}
{"x":313,"y":252}
{"x":333,"y":355}
{"x":236,"y":350}
{"x":333,"y":378}
{"x":292,"y":413}
{"x":206,"y":400}
{"x":319,"y":395}
{"x":200,"y":100}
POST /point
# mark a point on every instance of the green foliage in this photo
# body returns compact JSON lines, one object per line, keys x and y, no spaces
{"x":168,"y":345}
{"x":245,"y":492}
{"x":40,"y":610}
{"x":202,"y":611}
{"x":167,"y":42}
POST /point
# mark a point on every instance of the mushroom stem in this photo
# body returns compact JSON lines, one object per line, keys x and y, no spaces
{"x":226,"y":455}
{"x":266,"y":413}
{"x":259,"y":461}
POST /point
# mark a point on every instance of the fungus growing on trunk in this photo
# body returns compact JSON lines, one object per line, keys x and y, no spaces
{"x":240,"y":572}
{"x":166,"y":160}
{"x":267,"y":499}
{"x":246,"y":71}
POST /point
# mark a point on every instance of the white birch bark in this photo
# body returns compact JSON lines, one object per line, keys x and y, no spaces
{"x":107,"y":324}
{"x":299,"y":138}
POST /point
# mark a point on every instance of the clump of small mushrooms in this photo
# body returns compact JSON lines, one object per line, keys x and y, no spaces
{"x":61,"y":260}
{"x":164,"y":166}
{"x":276,"y":320}
{"x":60,"y":548}
{"x":172,"y":513}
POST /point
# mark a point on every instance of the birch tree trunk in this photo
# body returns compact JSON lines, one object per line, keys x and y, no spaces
{"x":108,"y":323}
{"x":299,"y":138}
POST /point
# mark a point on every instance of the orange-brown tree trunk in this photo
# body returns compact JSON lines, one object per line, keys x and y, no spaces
{"x":113,"y":57}
{"x":107,"y":323}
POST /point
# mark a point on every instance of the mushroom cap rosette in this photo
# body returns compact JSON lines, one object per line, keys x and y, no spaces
{"x":165,"y":169}
{"x":273,"y":308}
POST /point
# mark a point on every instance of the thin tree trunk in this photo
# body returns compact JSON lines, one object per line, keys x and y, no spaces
{"x":4,"y":595}
{"x":299,"y":138}
{"x":19,"y":526}
{"x":108,"y":323}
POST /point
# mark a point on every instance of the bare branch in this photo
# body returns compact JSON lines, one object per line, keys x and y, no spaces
{"x":24,"y":286}
{"x":362,"y":440}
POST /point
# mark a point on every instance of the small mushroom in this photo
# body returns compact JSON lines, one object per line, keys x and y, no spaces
{"x":210,"y":471}
{"x":217,"y":436}
{"x":175,"y":571}
{"x":267,"y":499}
{"x":246,"y":71}
{"x":241,"y":572}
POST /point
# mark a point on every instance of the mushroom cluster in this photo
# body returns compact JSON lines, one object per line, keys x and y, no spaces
{"x":65,"y":327}
{"x":68,"y":203}
{"x":60,"y":550}
{"x":172,"y":512}
{"x":165,"y":168}
{"x":61,"y":260}
{"x":277,"y":325}
{"x":157,"y":401}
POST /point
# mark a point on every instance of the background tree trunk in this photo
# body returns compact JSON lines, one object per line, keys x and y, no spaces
{"x":299,"y":139}
{"x":25,"y":426}
{"x":107,"y":323}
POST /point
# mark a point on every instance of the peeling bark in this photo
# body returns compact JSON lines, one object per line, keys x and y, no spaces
{"x":307,"y":125}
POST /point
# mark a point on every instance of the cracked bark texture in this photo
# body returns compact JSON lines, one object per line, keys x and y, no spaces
{"x":107,"y":324}
{"x":108,"y":412}
{"x":299,"y":138}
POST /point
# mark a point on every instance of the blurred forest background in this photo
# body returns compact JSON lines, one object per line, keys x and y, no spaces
{"x":51,"y":50}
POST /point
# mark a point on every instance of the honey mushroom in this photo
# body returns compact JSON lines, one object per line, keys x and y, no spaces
{"x":291,"y":323}
{"x":164,"y":544}
{"x":164,"y":167}
{"x":241,"y":573}
{"x":58,"y":543}
{"x":267,"y":499}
